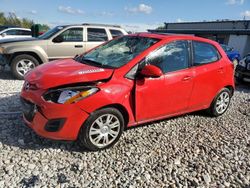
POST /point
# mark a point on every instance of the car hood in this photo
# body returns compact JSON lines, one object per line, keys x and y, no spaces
{"x":63,"y":72}
{"x":10,"y":40}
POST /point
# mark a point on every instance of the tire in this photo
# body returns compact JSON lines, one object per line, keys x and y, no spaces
{"x":93,"y":137}
{"x":220,"y":103}
{"x":22,"y":64}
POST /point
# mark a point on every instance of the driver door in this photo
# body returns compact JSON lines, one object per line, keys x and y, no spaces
{"x":70,"y":45}
{"x":170,"y":93}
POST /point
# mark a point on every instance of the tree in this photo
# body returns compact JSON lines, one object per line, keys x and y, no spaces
{"x":2,"y":19}
{"x":13,"y":20}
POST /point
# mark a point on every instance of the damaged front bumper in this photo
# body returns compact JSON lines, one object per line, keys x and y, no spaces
{"x":50,"y":120}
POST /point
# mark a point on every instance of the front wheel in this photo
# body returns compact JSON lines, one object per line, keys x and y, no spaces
{"x":221,"y":103}
{"x":102,"y":129}
{"x":22,"y":64}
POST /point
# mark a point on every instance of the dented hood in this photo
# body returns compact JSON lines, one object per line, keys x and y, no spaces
{"x":62,"y":72}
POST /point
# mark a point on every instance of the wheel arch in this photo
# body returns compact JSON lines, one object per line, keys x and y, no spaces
{"x":122,"y":109}
{"x":33,"y":54}
{"x":231,"y":89}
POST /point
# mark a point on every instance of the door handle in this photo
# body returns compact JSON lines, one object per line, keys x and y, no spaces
{"x":186,"y":78}
{"x":78,"y":46}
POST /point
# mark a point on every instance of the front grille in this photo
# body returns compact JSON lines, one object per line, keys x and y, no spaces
{"x":29,"y":109}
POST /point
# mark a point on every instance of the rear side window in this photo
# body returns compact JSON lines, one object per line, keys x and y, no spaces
{"x":73,"y":35}
{"x":204,"y":53}
{"x":97,"y":35}
{"x":115,"y":33}
{"x":172,"y":57}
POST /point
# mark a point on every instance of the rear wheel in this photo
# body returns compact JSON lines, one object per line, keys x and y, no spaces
{"x":221,"y":103}
{"x":22,"y":64}
{"x":102,"y":129}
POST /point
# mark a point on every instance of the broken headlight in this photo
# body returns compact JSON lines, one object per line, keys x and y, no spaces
{"x":69,"y":95}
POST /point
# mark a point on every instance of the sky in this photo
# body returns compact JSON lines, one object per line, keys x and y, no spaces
{"x":136,"y":15}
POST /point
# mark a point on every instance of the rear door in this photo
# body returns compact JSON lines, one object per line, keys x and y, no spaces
{"x":95,"y":37}
{"x":71,"y":44}
{"x":209,"y":73}
{"x":169,"y":94}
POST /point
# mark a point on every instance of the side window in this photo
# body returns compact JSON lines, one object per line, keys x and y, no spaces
{"x":115,"y":33}
{"x":97,"y":35}
{"x":11,"y":32}
{"x":204,"y":53}
{"x":72,"y":35}
{"x":171,"y":57}
{"x":23,"y":32}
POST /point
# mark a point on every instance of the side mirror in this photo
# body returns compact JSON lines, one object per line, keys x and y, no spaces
{"x":58,"y":39}
{"x":3,"y":34}
{"x":151,"y":71}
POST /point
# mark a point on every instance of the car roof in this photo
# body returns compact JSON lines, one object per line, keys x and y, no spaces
{"x":166,"y":36}
{"x":92,"y":24}
{"x":20,"y":28}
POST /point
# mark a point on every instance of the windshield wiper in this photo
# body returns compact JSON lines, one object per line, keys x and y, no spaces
{"x":93,"y":63}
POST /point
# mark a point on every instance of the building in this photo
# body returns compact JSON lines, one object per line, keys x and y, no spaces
{"x":235,"y":33}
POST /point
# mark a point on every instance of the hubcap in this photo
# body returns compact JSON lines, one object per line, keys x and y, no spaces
{"x":222,"y":102}
{"x":25,"y":65}
{"x":104,"y":130}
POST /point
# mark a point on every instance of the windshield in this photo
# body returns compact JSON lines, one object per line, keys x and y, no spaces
{"x":118,"y":52}
{"x":51,"y":32}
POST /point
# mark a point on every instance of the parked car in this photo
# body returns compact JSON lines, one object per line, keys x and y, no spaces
{"x":232,"y":54}
{"x":10,"y":33}
{"x":128,"y":81}
{"x":242,"y":72}
{"x":58,"y":43}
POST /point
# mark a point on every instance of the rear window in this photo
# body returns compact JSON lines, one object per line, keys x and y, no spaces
{"x":115,"y":33}
{"x":97,"y":35}
{"x":204,"y":53}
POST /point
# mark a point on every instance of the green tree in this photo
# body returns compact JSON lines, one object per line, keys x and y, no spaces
{"x":2,"y":19}
{"x":13,"y":20}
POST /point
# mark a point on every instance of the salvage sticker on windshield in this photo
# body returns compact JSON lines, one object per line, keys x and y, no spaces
{"x":90,"y":71}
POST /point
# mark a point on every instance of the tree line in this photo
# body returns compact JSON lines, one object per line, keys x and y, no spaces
{"x":12,"y":20}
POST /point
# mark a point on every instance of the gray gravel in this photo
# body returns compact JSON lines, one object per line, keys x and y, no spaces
{"x":188,"y":151}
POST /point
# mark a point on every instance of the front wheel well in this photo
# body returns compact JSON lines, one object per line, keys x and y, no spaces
{"x":33,"y":54}
{"x":122,"y":109}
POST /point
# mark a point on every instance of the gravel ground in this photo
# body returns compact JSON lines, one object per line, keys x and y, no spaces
{"x":188,"y":151}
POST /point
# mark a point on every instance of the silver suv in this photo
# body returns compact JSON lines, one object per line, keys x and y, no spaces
{"x":60,"y":42}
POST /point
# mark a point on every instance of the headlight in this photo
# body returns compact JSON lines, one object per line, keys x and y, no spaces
{"x":242,"y":63}
{"x":2,"y":50}
{"x":69,"y":95}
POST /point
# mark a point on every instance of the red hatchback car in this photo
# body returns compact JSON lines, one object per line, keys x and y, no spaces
{"x":127,"y":81}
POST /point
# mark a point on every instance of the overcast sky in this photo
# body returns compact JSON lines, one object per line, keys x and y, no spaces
{"x":134,"y":15}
